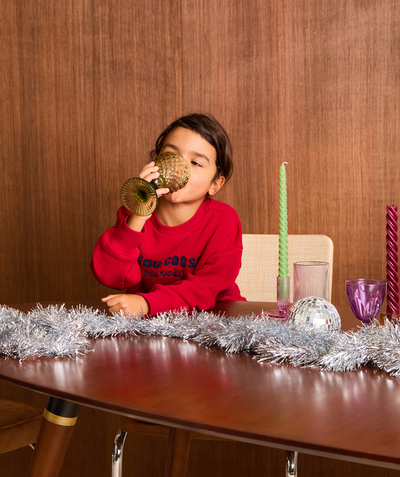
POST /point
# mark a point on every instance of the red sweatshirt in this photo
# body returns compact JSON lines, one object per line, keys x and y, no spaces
{"x":192,"y":265}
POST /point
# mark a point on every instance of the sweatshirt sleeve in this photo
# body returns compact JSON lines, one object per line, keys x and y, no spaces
{"x":114,"y":262}
{"x":213,"y":278}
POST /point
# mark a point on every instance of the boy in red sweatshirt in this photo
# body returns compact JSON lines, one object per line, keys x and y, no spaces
{"x":187,"y":254}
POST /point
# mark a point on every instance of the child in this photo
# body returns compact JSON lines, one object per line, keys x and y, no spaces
{"x":187,"y":254}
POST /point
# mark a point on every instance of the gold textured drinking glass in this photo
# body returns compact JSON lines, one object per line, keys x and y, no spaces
{"x":140,"y":196}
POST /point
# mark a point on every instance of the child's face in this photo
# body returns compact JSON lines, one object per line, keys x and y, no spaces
{"x":201,"y":156}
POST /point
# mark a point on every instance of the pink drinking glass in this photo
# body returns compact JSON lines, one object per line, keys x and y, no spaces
{"x":366,"y":296}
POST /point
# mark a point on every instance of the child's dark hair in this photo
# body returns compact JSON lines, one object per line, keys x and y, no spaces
{"x":210,"y":130}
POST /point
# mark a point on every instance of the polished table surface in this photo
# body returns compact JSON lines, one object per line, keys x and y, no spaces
{"x":351,"y":415}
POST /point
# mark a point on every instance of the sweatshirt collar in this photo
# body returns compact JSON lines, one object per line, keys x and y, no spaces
{"x":178,"y":229}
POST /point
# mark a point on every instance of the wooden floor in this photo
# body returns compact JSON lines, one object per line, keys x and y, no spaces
{"x":89,"y":454}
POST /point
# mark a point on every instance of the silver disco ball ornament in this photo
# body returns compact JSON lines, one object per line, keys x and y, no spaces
{"x":315,"y":311}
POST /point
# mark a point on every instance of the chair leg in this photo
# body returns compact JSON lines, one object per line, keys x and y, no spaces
{"x":291,"y":463}
{"x":118,"y":449}
{"x":178,"y":452}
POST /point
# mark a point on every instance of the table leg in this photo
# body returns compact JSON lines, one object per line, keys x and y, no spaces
{"x":178,"y":452}
{"x":58,"y":423}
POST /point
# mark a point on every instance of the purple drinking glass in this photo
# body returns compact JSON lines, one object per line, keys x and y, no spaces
{"x":366,"y":296}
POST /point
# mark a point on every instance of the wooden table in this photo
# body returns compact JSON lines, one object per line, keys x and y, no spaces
{"x":353,"y":416}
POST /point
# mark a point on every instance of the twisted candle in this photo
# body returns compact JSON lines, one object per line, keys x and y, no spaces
{"x":283,"y":225}
{"x":392,"y":259}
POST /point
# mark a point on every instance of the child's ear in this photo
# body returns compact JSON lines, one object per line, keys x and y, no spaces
{"x":216,"y":185}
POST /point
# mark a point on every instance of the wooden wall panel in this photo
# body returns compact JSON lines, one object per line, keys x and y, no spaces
{"x":314,"y":84}
{"x":86,"y":88}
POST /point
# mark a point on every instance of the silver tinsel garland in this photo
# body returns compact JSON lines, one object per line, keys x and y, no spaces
{"x":58,"y":332}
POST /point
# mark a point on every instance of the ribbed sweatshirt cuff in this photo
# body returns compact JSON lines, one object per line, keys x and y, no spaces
{"x":158,"y":302}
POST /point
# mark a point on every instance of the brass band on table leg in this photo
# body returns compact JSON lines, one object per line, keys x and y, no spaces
{"x":61,"y":412}
{"x":59,"y":420}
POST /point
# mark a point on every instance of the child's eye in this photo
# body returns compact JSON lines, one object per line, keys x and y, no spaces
{"x":197,"y":164}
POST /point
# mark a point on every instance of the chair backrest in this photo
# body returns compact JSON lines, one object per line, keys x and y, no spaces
{"x":257,"y":277}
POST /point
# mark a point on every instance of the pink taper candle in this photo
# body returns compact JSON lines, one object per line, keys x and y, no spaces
{"x":392,"y":261}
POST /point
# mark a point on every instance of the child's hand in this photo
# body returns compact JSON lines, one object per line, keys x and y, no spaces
{"x":149,"y":173}
{"x":133,"y":304}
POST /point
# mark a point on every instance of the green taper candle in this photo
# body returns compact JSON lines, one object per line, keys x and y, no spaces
{"x":283,"y":225}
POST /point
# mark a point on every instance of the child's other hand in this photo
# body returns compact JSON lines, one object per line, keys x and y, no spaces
{"x":133,"y":304}
{"x":149,"y":173}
